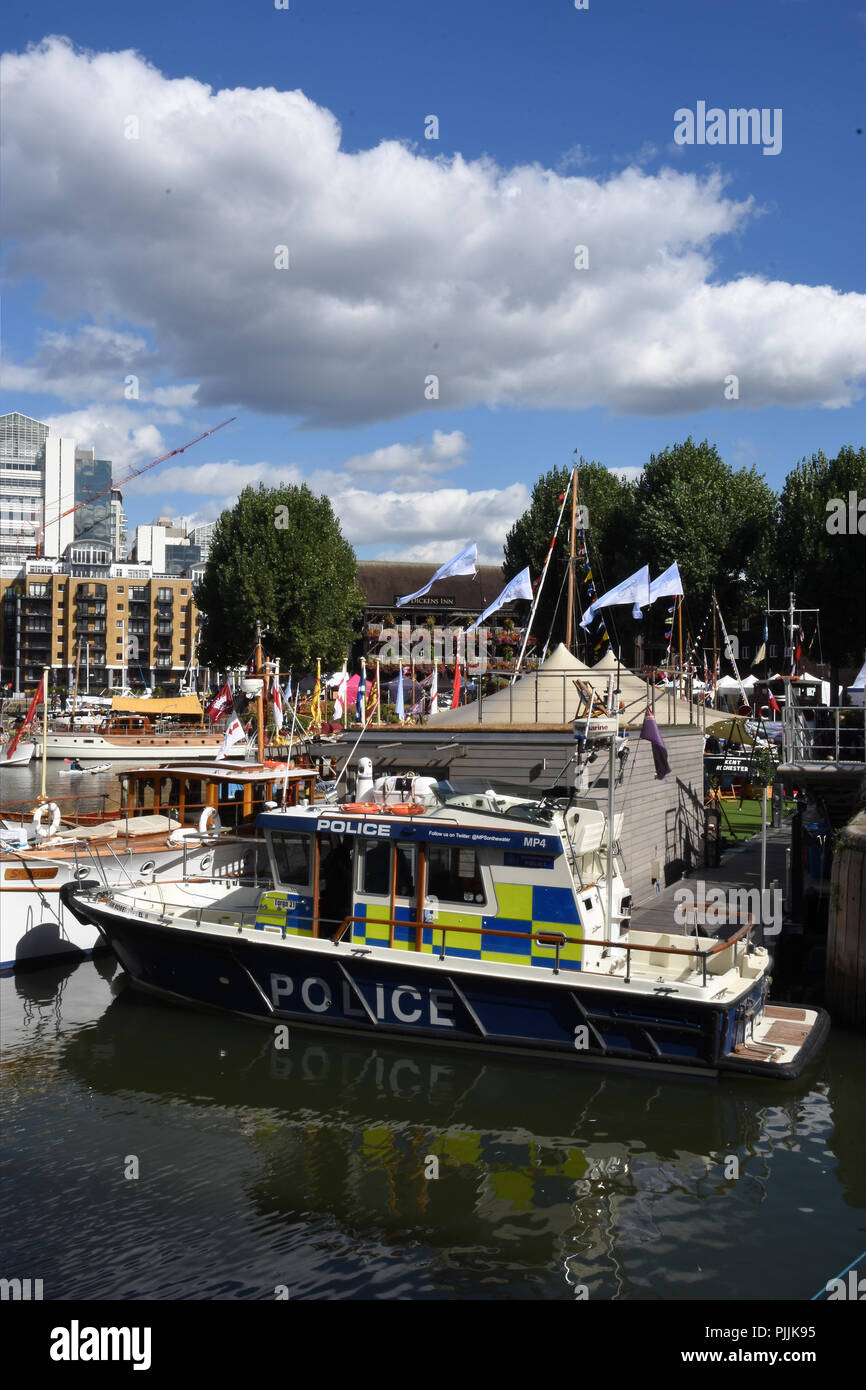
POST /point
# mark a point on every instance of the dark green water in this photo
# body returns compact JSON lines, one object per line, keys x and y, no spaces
{"x":306,"y":1167}
{"x":311,"y":1168}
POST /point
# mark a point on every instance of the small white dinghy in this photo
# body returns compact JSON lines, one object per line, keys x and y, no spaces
{"x":80,"y":771}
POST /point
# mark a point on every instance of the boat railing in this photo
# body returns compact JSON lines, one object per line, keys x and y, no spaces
{"x":559,"y":940}
{"x":22,"y":811}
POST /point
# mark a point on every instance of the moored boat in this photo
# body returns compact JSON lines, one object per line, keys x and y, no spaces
{"x":142,"y":729}
{"x":179,"y":820}
{"x":480,"y":921}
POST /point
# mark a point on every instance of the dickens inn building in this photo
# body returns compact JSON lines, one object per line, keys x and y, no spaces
{"x":453,"y":602}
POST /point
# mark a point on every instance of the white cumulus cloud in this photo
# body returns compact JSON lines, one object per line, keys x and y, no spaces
{"x":401,"y":266}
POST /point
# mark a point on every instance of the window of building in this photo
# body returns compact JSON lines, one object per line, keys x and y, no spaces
{"x":120,"y":622}
{"x":120,"y":608}
{"x":120,"y":588}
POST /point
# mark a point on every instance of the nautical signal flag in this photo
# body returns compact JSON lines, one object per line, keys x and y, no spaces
{"x":220,"y":704}
{"x":233,"y":734}
{"x":277,"y":701}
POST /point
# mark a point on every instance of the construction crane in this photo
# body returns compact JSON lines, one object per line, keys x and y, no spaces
{"x":127,"y":477}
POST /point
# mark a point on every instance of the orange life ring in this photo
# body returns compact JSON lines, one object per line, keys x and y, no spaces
{"x":406,"y":809}
{"x":366,"y":808}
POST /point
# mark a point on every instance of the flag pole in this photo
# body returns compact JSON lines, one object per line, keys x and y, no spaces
{"x":540,"y":587}
{"x":570,"y":620}
{"x":45,"y":674}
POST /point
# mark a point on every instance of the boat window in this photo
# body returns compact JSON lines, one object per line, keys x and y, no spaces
{"x":377,"y":865}
{"x":405,"y":870}
{"x":377,"y":868}
{"x":453,"y":875}
{"x":292,"y":858}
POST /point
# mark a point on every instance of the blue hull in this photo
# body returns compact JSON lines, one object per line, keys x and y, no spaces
{"x":338,"y":988}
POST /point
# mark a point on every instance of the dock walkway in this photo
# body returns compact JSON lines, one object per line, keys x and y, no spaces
{"x":740,"y":868}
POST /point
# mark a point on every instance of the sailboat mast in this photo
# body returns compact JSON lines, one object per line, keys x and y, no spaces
{"x":570,"y":621}
{"x":532,"y":613}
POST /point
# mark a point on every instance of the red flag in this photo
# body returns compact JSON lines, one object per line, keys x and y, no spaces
{"x":220,"y":704}
{"x":455,"y":698}
{"x":30,"y":713}
{"x":773,"y":704}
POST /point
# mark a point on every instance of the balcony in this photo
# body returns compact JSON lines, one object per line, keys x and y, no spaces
{"x":91,"y":608}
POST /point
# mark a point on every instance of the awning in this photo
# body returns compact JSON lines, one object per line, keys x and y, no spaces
{"x":181,"y":704}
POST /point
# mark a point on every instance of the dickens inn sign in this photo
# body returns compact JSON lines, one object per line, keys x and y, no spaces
{"x":430,"y":601}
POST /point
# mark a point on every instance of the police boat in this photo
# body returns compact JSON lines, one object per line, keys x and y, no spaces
{"x":480,"y":918}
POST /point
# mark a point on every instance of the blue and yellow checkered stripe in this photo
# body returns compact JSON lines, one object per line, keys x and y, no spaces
{"x":522,"y":908}
{"x":272,"y":912}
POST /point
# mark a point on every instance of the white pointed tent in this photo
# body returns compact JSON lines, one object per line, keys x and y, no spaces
{"x":549,"y":696}
{"x":857,"y":691}
{"x":544,"y":696}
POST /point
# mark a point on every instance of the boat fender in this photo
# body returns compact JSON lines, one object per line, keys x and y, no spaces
{"x":209,"y":821}
{"x":39,"y":817}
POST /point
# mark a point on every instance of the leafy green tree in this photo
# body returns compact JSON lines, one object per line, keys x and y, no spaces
{"x":818,"y":555}
{"x":609,"y":502}
{"x":716,"y":522}
{"x":279,"y":555}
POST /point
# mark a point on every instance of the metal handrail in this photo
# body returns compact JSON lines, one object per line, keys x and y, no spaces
{"x":703,"y":954}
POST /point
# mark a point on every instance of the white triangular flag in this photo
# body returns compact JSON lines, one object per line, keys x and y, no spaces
{"x":518,"y":587}
{"x":464,"y":563}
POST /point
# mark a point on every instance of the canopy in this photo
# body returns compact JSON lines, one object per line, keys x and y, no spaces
{"x":180,"y":704}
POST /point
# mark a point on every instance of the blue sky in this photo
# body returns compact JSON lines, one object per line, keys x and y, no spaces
{"x":153,"y":256}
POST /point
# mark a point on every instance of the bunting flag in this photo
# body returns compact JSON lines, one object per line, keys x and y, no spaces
{"x":340,"y":697}
{"x":316,"y":702}
{"x":29,"y":717}
{"x":760,"y":654}
{"x":361,"y":707}
{"x":287,"y":692}
{"x":276,"y":700}
{"x":220,"y":704}
{"x":773,"y":704}
{"x":464,"y":563}
{"x":233,"y":734}
{"x":455,"y":697}
{"x":650,"y":731}
{"x":518,"y":587}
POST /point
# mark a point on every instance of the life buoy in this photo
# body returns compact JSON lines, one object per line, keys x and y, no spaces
{"x":405,"y":809}
{"x":209,"y":821}
{"x":366,"y":808}
{"x":39,"y":816}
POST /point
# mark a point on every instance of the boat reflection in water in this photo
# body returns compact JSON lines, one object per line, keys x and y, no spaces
{"x":591,"y":1185}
